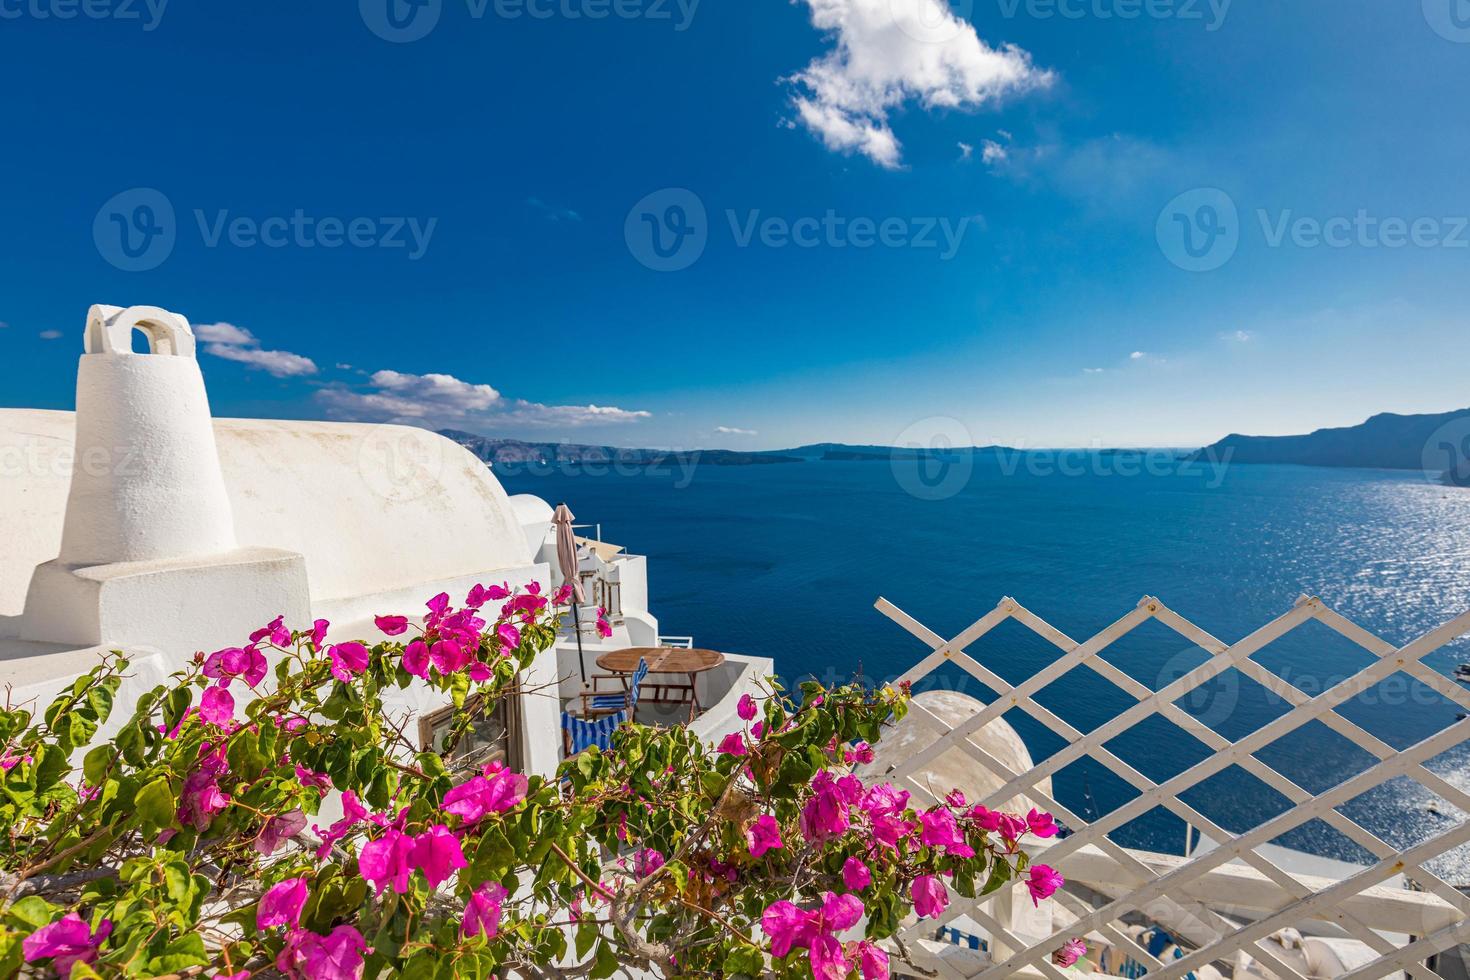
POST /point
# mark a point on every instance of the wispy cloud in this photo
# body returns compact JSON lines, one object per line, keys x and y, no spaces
{"x":1238,"y":336}
{"x":730,"y":430}
{"x":443,"y":399}
{"x":888,"y":53}
{"x":551,"y":212}
{"x":50,"y":335}
{"x":232,"y":343}
{"x":967,"y":151}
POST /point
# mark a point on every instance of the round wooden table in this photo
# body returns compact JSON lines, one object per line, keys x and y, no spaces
{"x":665,"y":660}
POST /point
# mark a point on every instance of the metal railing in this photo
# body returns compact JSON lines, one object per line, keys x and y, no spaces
{"x":683,"y":642}
{"x":1399,"y":928}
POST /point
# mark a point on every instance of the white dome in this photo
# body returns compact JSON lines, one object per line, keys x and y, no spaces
{"x":954,"y":768}
{"x":531,"y":509}
{"x":373,"y":508}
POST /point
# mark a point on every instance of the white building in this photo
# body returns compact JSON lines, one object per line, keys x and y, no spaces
{"x":141,"y":523}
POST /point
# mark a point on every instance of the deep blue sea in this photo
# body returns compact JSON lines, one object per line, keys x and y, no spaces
{"x":786,"y":561}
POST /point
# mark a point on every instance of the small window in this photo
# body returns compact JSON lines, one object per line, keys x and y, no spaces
{"x":493,"y":736}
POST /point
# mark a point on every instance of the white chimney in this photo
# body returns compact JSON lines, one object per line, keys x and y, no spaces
{"x":146,"y":482}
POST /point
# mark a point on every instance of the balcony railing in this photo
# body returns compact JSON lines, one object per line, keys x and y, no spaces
{"x":1233,"y":900}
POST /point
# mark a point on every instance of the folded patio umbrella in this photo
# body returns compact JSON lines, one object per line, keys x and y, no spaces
{"x":566,"y":559}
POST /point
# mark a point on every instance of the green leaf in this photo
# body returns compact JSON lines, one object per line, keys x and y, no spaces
{"x":156,"y":805}
{"x":606,"y":963}
{"x":30,"y":913}
{"x":186,"y":951}
{"x":745,"y":961}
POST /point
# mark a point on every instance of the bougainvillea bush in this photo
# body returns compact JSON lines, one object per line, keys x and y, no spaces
{"x":265,"y":815}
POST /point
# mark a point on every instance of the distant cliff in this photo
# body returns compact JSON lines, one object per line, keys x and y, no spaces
{"x":517,"y":452}
{"x":1387,"y":441}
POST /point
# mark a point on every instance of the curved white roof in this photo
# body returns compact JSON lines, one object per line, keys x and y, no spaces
{"x":373,"y":508}
{"x":531,"y":509}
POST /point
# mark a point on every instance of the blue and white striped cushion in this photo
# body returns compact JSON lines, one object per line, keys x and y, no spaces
{"x":627,"y":699}
{"x":598,"y":732}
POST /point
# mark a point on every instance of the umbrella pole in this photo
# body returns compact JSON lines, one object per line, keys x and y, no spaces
{"x":577,"y":627}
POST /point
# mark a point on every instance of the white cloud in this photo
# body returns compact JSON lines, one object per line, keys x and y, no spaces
{"x":1238,"y":336}
{"x":1137,"y":355}
{"x":232,"y":343}
{"x":442,"y":399}
{"x":50,"y":334}
{"x":993,"y":152}
{"x":1093,"y":370}
{"x":224,"y":333}
{"x":277,"y":363}
{"x":730,"y":430}
{"x":887,"y":53}
{"x":966,"y":151}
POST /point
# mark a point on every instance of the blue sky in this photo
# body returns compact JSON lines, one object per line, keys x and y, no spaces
{"x":893,"y":211}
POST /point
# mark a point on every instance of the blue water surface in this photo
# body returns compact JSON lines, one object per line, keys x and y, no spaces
{"x":786,"y":561}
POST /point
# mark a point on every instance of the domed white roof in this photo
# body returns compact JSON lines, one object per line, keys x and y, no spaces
{"x":531,"y":509}
{"x":374,"y":508}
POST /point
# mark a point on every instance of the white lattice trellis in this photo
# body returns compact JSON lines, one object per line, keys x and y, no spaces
{"x":1183,"y":894}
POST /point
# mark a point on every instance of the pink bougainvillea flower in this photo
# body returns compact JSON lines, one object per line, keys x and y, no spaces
{"x":786,"y":926}
{"x":1041,"y":824}
{"x":509,"y":636}
{"x":746,"y":708}
{"x":604,"y":628}
{"x":311,"y":779}
{"x":217,"y":707}
{"x":862,"y":753}
{"x":763,"y":835}
{"x":352,"y":814}
{"x":930,"y":896}
{"x":855,"y":875}
{"x":67,"y":941}
{"x":416,"y":659}
{"x":985,"y":819}
{"x":282,"y":905}
{"x":319,"y":634}
{"x":338,"y":956}
{"x":436,"y":852}
{"x":438,"y":608}
{"x":1012,"y":827}
{"x":938,"y":828}
{"x":480,"y":672}
{"x":275,"y":631}
{"x":391,"y":625}
{"x":482,"y":911}
{"x":387,"y":861}
{"x":646,"y":862}
{"x":733,"y":744}
{"x":448,"y":657}
{"x":826,"y":813}
{"x":242,"y":975}
{"x":279,"y":829}
{"x":563,"y":595}
{"x":498,"y":792}
{"x":1072,"y":950}
{"x":1043,"y":882}
{"x":955,"y":799}
{"x":872,"y":960}
{"x":348,"y":660}
{"x":201,"y":799}
{"x":232,"y":662}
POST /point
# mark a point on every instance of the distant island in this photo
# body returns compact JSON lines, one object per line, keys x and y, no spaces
{"x":1386,"y":441}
